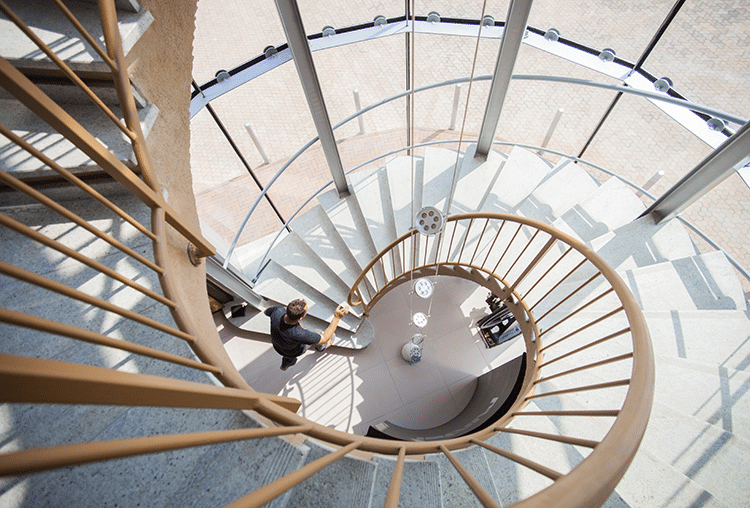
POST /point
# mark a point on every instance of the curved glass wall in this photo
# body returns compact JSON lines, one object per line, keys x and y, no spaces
{"x":701,"y":51}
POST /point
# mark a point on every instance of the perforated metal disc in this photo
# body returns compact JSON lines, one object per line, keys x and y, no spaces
{"x":429,"y":221}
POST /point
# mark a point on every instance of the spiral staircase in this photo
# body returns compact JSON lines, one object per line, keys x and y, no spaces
{"x":114,"y":394}
{"x":682,"y":294}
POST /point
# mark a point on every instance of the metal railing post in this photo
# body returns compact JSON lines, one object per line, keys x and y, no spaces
{"x":358,"y":107}
{"x":651,"y":181}
{"x":454,"y":112}
{"x":552,"y":127}
{"x":256,"y":141}
{"x":710,"y":172}
{"x":515,"y":28}
{"x":291,"y":20}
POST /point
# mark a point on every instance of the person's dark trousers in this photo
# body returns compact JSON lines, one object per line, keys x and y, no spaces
{"x":288,"y":361}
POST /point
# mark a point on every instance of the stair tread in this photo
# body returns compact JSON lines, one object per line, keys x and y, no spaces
{"x":67,"y":93}
{"x":249,"y":256}
{"x":476,"y":180}
{"x":546,"y":203}
{"x":686,"y":333}
{"x":295,"y":256}
{"x":315,"y":228}
{"x":57,"y":32}
{"x":420,"y":484}
{"x":514,"y":482}
{"x":650,"y":465}
{"x":406,"y":201}
{"x":374,"y":198}
{"x":651,"y":482}
{"x":642,"y":243}
{"x":280,"y":285}
{"x":439,"y":165}
{"x":701,"y":282}
{"x":713,"y":459}
{"x":518,"y":178}
{"x":454,"y":489}
{"x":20,"y":120}
{"x":271,"y":459}
{"x":345,"y":213}
{"x":347,"y":483}
{"x":256,"y":326}
{"x":710,"y":393}
{"x":610,"y":206}
{"x":714,"y":396}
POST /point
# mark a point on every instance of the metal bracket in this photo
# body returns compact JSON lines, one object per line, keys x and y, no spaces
{"x":194,"y":254}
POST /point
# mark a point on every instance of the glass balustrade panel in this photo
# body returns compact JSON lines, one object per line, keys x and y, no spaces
{"x":704,"y":53}
{"x":626,"y":27}
{"x":638,"y":139}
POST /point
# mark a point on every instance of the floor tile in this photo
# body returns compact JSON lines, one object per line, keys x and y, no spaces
{"x":462,"y":392}
{"x":427,"y":412}
{"x":415,"y":381}
{"x":457,"y":356}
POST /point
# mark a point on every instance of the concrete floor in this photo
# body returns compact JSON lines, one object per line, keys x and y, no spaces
{"x":351,"y":390}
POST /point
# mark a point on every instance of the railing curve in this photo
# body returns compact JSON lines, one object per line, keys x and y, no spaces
{"x":658,"y":96}
{"x":34,"y":378}
{"x":524,"y":258}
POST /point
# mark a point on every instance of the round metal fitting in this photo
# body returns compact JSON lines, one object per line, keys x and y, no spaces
{"x":716,"y":124}
{"x":328,"y":31}
{"x":433,"y":17}
{"x":380,"y":20}
{"x":488,"y":21}
{"x":194,"y":254}
{"x":269,"y":51}
{"x":423,"y":288}
{"x":429,"y":221}
{"x":222,"y":75}
{"x":607,"y":55}
{"x":552,"y":35}
{"x":663,"y":84}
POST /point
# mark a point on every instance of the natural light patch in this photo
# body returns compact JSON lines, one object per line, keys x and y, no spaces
{"x":12,"y":445}
{"x":6,"y":417}
{"x":329,"y":392}
{"x":121,"y":360}
{"x":15,"y":495}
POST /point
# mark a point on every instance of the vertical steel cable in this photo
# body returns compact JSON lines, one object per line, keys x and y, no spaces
{"x":458,"y":151}
{"x":466,"y":108}
{"x":411,"y":151}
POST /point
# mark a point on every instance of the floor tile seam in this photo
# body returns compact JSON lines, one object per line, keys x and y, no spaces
{"x":390,"y":374}
{"x":445,"y":382}
{"x":436,"y":388}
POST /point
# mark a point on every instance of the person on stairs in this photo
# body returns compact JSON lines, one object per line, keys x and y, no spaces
{"x":290,"y":339}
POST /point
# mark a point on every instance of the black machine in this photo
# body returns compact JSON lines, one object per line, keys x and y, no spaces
{"x":500,"y":325}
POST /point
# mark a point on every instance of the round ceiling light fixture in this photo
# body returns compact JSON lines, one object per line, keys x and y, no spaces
{"x":419,"y":319}
{"x":423,"y":288}
{"x":429,"y":221}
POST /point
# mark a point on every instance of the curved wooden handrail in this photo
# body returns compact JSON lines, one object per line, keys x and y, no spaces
{"x":594,"y":479}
